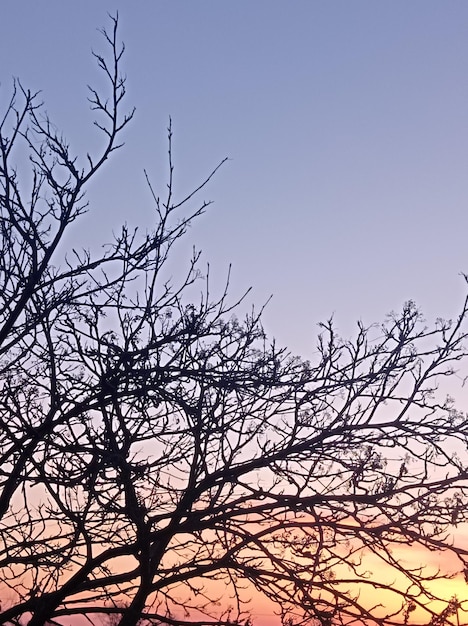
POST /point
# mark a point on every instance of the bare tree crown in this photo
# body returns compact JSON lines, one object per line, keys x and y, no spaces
{"x":162,"y":462}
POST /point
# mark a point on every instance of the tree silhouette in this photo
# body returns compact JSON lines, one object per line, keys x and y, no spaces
{"x":162,"y":460}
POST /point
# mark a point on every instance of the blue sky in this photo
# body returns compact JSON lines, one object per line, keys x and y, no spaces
{"x":345,"y":123}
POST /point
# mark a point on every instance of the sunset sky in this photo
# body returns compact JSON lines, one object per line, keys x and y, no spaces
{"x":345,"y":124}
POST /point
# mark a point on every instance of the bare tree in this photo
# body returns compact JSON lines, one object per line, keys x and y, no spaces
{"x":161,"y":460}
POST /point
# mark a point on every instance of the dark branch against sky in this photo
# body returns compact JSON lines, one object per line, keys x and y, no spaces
{"x":345,"y":124}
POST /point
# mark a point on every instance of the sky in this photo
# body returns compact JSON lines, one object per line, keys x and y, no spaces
{"x":345,"y":124}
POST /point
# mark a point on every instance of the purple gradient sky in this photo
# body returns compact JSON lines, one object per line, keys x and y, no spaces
{"x":345,"y":122}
